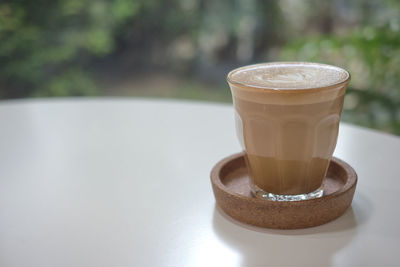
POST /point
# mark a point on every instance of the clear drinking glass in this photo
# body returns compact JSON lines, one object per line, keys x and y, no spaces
{"x":287,"y":118}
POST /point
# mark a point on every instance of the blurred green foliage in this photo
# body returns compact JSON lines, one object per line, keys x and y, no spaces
{"x":45,"y":46}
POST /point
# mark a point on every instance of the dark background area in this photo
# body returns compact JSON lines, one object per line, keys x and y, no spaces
{"x":185,"y":48}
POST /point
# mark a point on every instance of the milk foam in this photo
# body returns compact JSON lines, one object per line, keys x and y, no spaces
{"x":289,"y":75}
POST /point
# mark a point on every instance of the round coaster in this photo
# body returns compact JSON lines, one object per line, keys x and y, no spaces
{"x":230,"y":182}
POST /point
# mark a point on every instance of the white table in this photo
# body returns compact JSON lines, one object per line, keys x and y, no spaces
{"x":117,"y":182}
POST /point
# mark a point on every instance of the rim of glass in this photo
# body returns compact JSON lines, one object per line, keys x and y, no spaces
{"x":282,"y":89}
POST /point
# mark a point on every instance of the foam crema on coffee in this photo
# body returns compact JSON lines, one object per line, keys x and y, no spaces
{"x":264,"y":82}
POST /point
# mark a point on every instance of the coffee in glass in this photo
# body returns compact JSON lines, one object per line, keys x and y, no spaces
{"x":287,"y":119}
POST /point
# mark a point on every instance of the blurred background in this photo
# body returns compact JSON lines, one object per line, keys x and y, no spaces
{"x":184,"y":48}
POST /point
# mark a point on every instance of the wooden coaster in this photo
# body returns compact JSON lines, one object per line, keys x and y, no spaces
{"x":230,"y":182}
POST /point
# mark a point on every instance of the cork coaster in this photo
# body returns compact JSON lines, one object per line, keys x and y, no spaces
{"x":230,"y":182}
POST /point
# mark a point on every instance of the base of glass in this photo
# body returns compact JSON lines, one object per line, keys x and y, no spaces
{"x":259,"y":193}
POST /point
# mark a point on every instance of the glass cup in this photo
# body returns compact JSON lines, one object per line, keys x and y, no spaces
{"x":287,"y":119}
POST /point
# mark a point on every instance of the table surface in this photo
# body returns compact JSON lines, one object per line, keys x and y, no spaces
{"x":125,"y":182}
